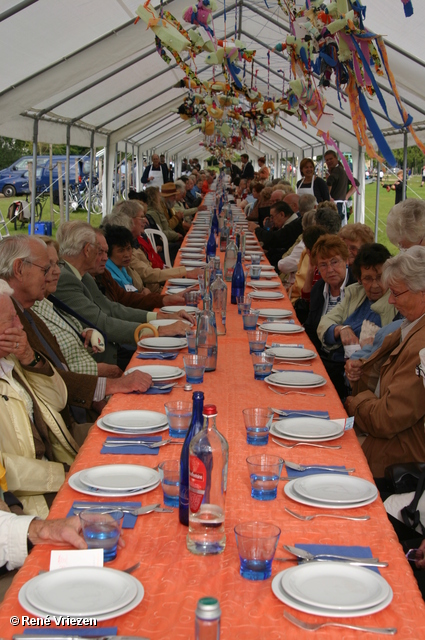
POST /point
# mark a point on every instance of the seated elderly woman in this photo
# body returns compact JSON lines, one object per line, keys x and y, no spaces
{"x":388,"y":402}
{"x":120,"y":250}
{"x":355,"y":236}
{"x":366,"y":300}
{"x":406,"y":223}
{"x":35,"y":443}
{"x":330,"y":256}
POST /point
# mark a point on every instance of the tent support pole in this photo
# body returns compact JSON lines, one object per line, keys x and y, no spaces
{"x":92,"y":160}
{"x":34,"y":174}
{"x":378,"y":184}
{"x":286,"y":167}
{"x":126,"y":170}
{"x":67,"y":169}
{"x":139,"y":167}
{"x":360,"y":198}
{"x":403,"y":197}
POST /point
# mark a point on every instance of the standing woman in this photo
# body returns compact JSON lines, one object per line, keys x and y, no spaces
{"x":311,"y":184}
{"x":263,"y":172}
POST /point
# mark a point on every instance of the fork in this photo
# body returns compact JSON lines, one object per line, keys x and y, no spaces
{"x":299,"y":393}
{"x":296,"y":364}
{"x":308,"y":626}
{"x":306,"y":444}
{"x":285,"y":414}
{"x":324,"y":515}
{"x":149,"y":445}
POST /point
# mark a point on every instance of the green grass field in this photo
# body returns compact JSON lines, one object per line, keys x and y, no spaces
{"x":386,"y":201}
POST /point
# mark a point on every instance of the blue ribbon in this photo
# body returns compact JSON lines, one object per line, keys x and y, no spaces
{"x":376,"y":131}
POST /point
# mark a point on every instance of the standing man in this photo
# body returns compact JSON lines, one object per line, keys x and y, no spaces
{"x":233,"y":169}
{"x":337,"y":181}
{"x":155,"y":174}
{"x":247,"y":168}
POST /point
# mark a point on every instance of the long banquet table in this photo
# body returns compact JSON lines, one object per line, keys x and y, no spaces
{"x":174,"y":579}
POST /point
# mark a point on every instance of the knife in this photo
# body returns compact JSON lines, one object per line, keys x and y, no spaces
{"x":19,"y":636}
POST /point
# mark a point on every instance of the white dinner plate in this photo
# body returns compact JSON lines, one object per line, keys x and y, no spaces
{"x":335,"y":585}
{"x":94,"y":590}
{"x":294,"y":495}
{"x":295,"y":380}
{"x":131,"y":432}
{"x":274,"y":313}
{"x":76,"y":484}
{"x":199,"y":255}
{"x":158,"y":371}
{"x":119,"y":477}
{"x":162,"y":343}
{"x":263,"y":284}
{"x":319,"y":611}
{"x":140,"y":419}
{"x":102,"y":592}
{"x":308,"y":428}
{"x":330,"y":488}
{"x":165,"y":322}
{"x":189,"y":249}
{"x":268,"y":267}
{"x":176,"y":308}
{"x":266,"y":295}
{"x":281,"y":327}
{"x":183,"y":282}
{"x":193,"y":263}
{"x":176,"y":290}
{"x":291,"y":353}
{"x":277,"y":434}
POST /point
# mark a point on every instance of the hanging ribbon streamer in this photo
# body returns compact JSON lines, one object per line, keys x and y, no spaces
{"x":408,"y":8}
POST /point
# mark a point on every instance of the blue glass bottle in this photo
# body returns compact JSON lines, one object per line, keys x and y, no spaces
{"x":238,"y":280}
{"x":195,"y":427}
{"x":211,"y":245}
{"x":214,"y":223}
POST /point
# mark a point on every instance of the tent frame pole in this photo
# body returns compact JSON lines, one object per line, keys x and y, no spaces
{"x":67,"y":169}
{"x":34,"y":174}
{"x":92,"y":159}
{"x":378,"y":184}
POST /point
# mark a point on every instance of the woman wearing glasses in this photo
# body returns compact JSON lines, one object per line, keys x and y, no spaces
{"x":388,"y":402}
{"x":366,"y":300}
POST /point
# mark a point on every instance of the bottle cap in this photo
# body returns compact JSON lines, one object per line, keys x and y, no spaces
{"x":198,"y":395}
{"x":209,"y":410}
{"x":208,"y":609}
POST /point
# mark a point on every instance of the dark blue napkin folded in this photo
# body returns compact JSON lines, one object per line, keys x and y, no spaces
{"x":170,"y":355}
{"x":353,"y":551}
{"x":132,"y":448}
{"x":158,"y":390}
{"x":293,"y":413}
{"x":129,"y":521}
{"x":291,"y":473}
{"x":83,"y":632}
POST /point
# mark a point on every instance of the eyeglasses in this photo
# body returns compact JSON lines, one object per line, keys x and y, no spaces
{"x":371,"y":279}
{"x":324,"y":266}
{"x":45,"y":270}
{"x":397,"y":295}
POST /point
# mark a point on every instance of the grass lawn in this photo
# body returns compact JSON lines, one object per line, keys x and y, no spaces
{"x":386,"y":201}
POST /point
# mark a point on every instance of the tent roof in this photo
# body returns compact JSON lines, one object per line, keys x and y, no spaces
{"x":87,"y":66}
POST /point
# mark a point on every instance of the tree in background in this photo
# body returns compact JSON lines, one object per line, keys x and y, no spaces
{"x":12,"y":149}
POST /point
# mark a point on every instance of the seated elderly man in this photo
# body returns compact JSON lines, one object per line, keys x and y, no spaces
{"x":35,"y":443}
{"x":368,"y":300}
{"x":131,"y":214}
{"x":283,"y":234}
{"x":77,"y":289}
{"x":26,"y":264}
{"x":388,"y":402}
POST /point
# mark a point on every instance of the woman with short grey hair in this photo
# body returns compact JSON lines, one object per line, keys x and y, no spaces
{"x":406,"y":223}
{"x":388,"y":403}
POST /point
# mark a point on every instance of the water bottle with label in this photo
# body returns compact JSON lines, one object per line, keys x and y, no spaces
{"x":230,"y":258}
{"x":219,"y":302}
{"x":208,"y":460}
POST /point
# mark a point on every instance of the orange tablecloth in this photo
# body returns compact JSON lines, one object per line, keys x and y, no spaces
{"x":174,"y":579}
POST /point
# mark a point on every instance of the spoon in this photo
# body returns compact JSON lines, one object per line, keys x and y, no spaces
{"x":301,"y":467}
{"x":299,"y":393}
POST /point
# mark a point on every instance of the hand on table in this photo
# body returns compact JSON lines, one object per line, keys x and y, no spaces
{"x":65,"y":530}
{"x":134,"y":381}
{"x":170,"y":300}
{"x":178,"y":328}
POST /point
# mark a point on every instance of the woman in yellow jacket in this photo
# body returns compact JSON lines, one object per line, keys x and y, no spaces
{"x":35,"y":444}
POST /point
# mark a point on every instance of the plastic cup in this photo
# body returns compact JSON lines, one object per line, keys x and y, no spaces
{"x":264,"y":473}
{"x":257,"y":424}
{"x":255,"y":272}
{"x":101,"y":530}
{"x":257,"y":341}
{"x":256,"y":542}
{"x":191,"y":339}
{"x":255,"y":258}
{"x":179,"y":415}
{"x":169,"y":472}
{"x":244,"y":303}
{"x":194,"y":365}
{"x":192,"y":298}
{"x":250,"y":319}
{"x":263,"y":364}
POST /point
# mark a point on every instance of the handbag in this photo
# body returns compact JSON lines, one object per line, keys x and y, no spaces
{"x":410,"y":514}
{"x":404,"y":477}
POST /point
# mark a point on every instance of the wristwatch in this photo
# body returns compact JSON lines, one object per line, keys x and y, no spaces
{"x":37,"y":358}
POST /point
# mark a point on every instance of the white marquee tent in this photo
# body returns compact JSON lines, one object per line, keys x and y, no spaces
{"x":81,"y":72}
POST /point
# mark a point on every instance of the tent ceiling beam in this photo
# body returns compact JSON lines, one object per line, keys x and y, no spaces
{"x":16,"y":9}
{"x":153,"y":129}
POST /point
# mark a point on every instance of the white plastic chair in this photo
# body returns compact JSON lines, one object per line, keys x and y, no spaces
{"x":151,"y":233}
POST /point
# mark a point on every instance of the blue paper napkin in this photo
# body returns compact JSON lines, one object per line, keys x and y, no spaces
{"x":129,"y":521}
{"x":340,"y":550}
{"x":158,"y":390}
{"x":171,"y":355}
{"x":293,"y":413}
{"x":83,"y":632}
{"x":292,"y":473}
{"x":132,"y":448}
